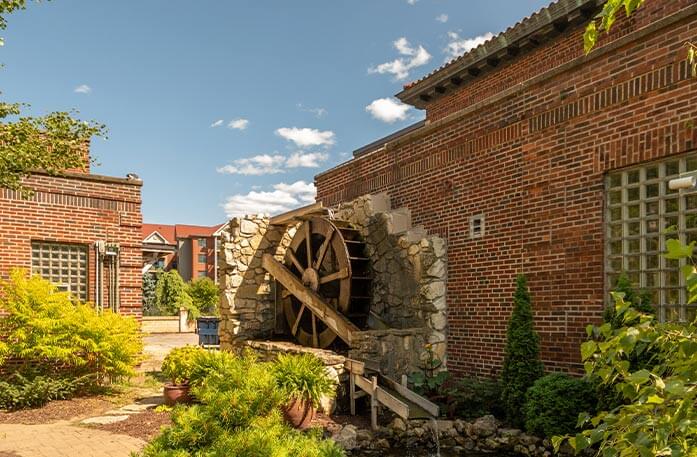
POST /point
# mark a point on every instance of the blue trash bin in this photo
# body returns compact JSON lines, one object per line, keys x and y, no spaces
{"x":207,"y":329}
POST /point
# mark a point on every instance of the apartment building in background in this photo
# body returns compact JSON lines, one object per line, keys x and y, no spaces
{"x":192,"y":250}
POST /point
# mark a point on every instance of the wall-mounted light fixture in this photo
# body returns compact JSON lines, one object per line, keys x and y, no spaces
{"x":683,"y":183}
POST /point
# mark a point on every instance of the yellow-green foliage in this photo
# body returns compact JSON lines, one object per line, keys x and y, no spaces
{"x":46,"y":329}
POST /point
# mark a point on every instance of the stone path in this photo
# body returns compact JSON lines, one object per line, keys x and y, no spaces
{"x":76,"y":438}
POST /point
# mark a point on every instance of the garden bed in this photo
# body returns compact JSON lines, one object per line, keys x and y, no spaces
{"x":58,"y":410}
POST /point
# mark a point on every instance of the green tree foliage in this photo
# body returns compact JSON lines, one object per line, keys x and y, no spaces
{"x":52,"y":143}
{"x":606,"y":19}
{"x":205,"y":295}
{"x":521,"y":365}
{"x":639,"y":300}
{"x":237,"y":415}
{"x":45,"y":329}
{"x":554,"y":402}
{"x":149,"y":299}
{"x":658,"y":415}
{"x":171,"y":293}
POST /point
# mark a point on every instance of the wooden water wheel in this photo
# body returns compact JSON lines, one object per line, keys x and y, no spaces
{"x":328,"y":256}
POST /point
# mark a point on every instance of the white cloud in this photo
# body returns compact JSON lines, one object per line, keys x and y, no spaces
{"x":458,"y":46}
{"x":306,"y":159}
{"x":442,"y":18}
{"x":282,"y":198}
{"x":388,"y":110}
{"x":83,"y":89}
{"x":217,"y":123}
{"x":271,"y":164}
{"x":305,"y":137}
{"x":263,"y":164}
{"x":239,"y":124}
{"x":318,"y":112}
{"x":412,"y":2}
{"x":400,"y":68}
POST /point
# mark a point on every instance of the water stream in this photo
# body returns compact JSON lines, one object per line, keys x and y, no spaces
{"x":435,"y":436}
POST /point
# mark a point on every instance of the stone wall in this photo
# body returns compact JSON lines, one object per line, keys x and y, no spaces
{"x":247,"y":307}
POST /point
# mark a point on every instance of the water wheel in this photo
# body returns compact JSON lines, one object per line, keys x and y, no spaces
{"x":329,"y":258}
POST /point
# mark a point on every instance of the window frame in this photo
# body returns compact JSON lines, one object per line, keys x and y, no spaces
{"x":81,"y":251}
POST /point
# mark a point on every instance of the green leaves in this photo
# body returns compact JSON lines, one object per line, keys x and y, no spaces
{"x":606,"y":19}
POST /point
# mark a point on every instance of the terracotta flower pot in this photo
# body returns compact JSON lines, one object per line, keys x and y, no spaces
{"x":299,"y":413}
{"x":176,"y":393}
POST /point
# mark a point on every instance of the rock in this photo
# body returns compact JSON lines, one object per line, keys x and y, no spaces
{"x":248,"y":227}
{"x":382,"y":443}
{"x":347,"y":437}
{"x":485,"y":426}
{"x":363,"y":437}
{"x":398,"y":424}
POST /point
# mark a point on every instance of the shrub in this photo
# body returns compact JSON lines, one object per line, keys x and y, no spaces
{"x":180,"y":363}
{"x":641,"y":301}
{"x":149,"y":286}
{"x":472,"y":398}
{"x":303,"y":377}
{"x":205,"y":296}
{"x":554,"y":402}
{"x":171,"y":294}
{"x":46,"y":330}
{"x":521,"y":365}
{"x":21,"y":392}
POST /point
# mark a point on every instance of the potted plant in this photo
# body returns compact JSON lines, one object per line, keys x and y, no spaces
{"x":304,"y":381}
{"x":177,"y":367}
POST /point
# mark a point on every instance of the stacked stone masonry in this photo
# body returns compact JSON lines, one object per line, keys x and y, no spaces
{"x":527,"y":144}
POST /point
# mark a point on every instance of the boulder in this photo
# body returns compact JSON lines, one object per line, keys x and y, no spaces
{"x":485,"y":426}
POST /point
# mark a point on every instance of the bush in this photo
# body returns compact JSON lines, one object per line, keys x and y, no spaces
{"x":171,"y":294}
{"x":521,"y":365}
{"x":641,"y":301}
{"x":21,"y":392}
{"x":47,"y":331}
{"x":472,"y":398}
{"x":303,"y":377}
{"x":179,"y":364}
{"x":205,"y":296}
{"x":554,"y":402}
{"x":238,"y":415}
{"x":149,"y":302}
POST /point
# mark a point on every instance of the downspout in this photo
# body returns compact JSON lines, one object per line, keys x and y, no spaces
{"x":215,"y":258}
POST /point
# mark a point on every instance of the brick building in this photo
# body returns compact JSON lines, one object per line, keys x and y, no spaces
{"x":192,"y":250}
{"x":536,"y":158}
{"x":80,"y":231}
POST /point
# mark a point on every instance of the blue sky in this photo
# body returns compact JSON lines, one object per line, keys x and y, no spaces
{"x":224,"y":106}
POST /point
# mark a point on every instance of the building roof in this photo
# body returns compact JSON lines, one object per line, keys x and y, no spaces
{"x":522,"y":37}
{"x":378,"y":144}
{"x":171,"y":233}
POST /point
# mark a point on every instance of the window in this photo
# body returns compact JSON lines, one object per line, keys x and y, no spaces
{"x":63,"y":264}
{"x":640,"y":208}
{"x":202,"y":242}
{"x":202,"y":274}
{"x":202,"y":258}
{"x":477,"y":226}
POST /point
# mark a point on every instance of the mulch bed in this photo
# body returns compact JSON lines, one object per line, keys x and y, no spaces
{"x":58,"y":410}
{"x":145,"y":425}
{"x":337,"y":422}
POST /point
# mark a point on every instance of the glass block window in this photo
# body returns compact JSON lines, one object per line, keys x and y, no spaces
{"x":640,"y":210}
{"x":63,"y":264}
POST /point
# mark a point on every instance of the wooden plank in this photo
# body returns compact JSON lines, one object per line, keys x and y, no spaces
{"x":354,"y":366}
{"x":393,"y":403}
{"x":337,"y":322}
{"x":374,"y":403}
{"x":294,"y":215}
{"x":352,"y":393}
{"x":412,"y":396}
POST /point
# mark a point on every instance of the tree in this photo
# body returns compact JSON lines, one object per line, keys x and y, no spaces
{"x":171,"y":293}
{"x":521,"y":365}
{"x":52,"y":143}
{"x":205,"y":295}
{"x":149,"y":298}
{"x":607,"y":17}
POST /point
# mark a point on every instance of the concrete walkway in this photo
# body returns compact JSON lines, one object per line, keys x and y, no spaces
{"x":69,"y":439}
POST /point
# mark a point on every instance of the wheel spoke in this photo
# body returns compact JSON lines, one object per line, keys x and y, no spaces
{"x":296,"y":262}
{"x":341,"y":274}
{"x":308,"y":243}
{"x":315,"y":338}
{"x":297,"y":320}
{"x":323,"y":249}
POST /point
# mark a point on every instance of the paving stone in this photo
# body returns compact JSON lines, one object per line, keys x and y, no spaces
{"x":101,"y":420}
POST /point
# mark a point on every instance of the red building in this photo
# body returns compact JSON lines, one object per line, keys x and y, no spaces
{"x":535,"y":158}
{"x":80,"y":231}
{"x":192,"y":250}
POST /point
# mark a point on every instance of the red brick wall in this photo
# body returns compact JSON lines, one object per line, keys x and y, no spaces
{"x":77,"y":209}
{"x":531,"y":156}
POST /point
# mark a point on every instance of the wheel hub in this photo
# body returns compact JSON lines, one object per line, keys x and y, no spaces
{"x":311,"y":279}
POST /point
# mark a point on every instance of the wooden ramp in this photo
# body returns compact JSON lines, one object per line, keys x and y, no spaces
{"x":397,"y":397}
